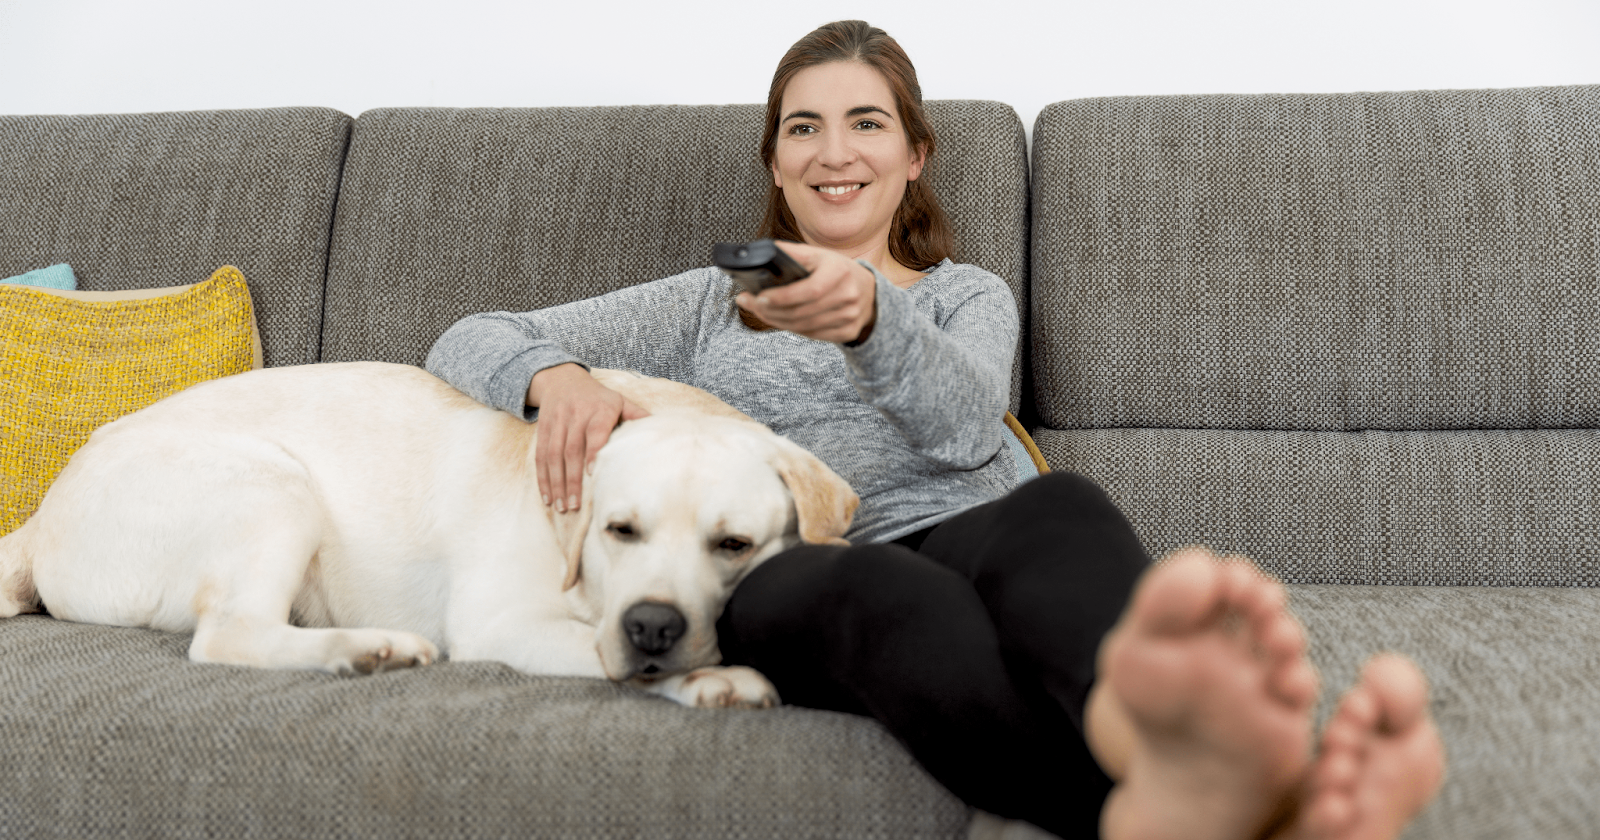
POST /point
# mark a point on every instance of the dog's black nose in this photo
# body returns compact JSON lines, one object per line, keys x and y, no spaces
{"x":653,"y":628}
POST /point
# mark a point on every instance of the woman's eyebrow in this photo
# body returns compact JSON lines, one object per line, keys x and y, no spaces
{"x":853,"y":112}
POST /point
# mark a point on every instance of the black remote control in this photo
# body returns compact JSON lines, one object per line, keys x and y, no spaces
{"x":757,"y":265}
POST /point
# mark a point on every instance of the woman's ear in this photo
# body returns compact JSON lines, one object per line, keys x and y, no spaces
{"x":777,"y":180}
{"x":917,"y":162}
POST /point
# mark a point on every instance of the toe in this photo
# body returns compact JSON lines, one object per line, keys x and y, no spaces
{"x":1280,"y":636}
{"x":1296,"y":683}
{"x":1329,"y":815}
{"x":1399,"y":691}
{"x":1177,"y":595}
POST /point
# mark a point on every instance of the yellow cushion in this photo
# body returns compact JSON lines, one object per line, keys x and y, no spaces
{"x":71,"y":362}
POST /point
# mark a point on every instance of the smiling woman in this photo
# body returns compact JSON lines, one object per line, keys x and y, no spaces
{"x":886,"y":122}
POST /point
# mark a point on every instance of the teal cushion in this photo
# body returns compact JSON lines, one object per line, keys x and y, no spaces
{"x":1019,"y":453}
{"x":55,"y":277}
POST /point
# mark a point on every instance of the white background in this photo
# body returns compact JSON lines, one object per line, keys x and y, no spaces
{"x":91,"y":56}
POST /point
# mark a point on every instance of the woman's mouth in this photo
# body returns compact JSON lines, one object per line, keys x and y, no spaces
{"x":838,"y":189}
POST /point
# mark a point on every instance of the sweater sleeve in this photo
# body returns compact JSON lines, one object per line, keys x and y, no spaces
{"x":943,"y":386}
{"x":651,"y":328}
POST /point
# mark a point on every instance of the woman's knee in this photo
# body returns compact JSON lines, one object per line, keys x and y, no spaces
{"x":867,"y":625}
{"x":1065,"y":494}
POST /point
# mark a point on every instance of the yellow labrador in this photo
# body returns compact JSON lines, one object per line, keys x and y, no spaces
{"x":366,"y":516}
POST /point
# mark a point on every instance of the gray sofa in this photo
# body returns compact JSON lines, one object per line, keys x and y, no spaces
{"x":1348,"y":335}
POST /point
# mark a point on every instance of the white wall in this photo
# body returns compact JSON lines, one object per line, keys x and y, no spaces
{"x":87,"y":56}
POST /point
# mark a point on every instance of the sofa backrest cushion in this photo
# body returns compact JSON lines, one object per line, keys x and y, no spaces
{"x":1421,"y":260}
{"x":448,"y":212}
{"x":137,"y":201}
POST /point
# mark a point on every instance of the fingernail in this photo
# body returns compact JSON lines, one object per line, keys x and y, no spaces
{"x":589,"y":470}
{"x":572,"y":502}
{"x":561,"y":507}
{"x":546,"y":497}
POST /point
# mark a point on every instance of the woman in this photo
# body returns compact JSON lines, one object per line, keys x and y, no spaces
{"x":977,"y":620}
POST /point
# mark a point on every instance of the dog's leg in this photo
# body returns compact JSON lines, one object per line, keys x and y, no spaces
{"x":242,"y":605}
{"x":268,"y":643}
{"x":716,"y":686}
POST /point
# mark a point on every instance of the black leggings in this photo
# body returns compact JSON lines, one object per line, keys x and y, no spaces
{"x":976,"y":649}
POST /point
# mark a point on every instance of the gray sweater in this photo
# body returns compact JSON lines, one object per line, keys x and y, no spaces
{"x":911,"y":418}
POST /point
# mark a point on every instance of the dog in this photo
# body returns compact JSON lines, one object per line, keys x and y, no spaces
{"x":363,"y":517}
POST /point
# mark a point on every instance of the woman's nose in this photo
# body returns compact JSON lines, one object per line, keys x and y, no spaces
{"x":838,"y":150}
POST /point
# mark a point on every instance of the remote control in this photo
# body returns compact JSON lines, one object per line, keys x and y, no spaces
{"x":757,"y":265}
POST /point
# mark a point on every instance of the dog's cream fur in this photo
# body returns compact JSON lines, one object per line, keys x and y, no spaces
{"x":365,"y":516}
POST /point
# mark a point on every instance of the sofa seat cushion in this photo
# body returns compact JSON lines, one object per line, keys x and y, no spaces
{"x":1467,"y":508}
{"x":1515,"y":680}
{"x":113,"y":731}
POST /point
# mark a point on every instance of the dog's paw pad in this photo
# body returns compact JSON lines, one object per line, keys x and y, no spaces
{"x":734,"y":687}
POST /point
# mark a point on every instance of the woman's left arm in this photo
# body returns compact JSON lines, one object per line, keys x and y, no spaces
{"x":943,"y":386}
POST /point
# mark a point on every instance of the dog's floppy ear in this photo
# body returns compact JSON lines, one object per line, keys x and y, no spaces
{"x":571,"y":527}
{"x":823,"y":501}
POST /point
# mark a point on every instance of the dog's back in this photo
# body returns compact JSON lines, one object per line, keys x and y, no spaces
{"x":341,"y":451}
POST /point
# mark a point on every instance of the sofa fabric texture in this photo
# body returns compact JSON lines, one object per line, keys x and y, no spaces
{"x":448,"y":212}
{"x":1466,"y":508}
{"x":140,"y":201}
{"x":1332,"y":262}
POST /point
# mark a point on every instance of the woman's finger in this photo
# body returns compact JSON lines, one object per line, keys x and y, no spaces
{"x":572,"y":455}
{"x":551,"y":467}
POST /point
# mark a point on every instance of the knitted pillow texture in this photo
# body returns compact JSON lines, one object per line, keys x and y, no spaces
{"x":58,"y":276}
{"x":71,"y":362}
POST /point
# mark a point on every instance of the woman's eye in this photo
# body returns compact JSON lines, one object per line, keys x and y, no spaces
{"x":734,"y":545}
{"x":802,"y":129}
{"x":869,"y":124}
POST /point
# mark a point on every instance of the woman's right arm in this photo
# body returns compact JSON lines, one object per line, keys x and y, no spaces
{"x":533,"y":364}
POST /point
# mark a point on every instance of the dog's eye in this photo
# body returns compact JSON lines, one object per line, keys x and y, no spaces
{"x":734,"y":545}
{"x":621,"y":530}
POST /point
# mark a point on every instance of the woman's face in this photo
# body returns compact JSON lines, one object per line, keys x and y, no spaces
{"x":843,"y":158}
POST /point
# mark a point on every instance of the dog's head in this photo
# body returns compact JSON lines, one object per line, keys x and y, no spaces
{"x":681,"y":506}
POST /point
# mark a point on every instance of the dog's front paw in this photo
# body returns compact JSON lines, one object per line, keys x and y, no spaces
{"x":727,"y":687}
{"x":373,"y":651}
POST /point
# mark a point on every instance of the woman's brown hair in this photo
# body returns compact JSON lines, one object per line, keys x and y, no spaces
{"x":920,"y":235}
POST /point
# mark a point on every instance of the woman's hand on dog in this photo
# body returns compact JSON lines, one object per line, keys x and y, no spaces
{"x":837,"y":303}
{"x":576,"y":417}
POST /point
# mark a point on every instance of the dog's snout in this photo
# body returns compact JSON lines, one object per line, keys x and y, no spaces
{"x":653,"y":628}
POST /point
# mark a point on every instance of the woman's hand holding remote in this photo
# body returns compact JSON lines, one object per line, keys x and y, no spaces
{"x":576,"y":418}
{"x":837,"y":302}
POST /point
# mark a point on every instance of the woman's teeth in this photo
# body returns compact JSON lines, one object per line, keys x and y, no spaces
{"x":840,"y":190}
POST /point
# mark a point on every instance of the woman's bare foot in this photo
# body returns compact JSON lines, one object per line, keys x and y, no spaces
{"x":1381,"y":758}
{"x":1202,"y":711}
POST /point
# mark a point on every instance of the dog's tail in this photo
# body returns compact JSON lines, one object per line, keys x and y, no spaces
{"x":17,"y":592}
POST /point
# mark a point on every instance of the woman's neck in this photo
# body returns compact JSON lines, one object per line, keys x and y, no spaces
{"x":879,"y":255}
